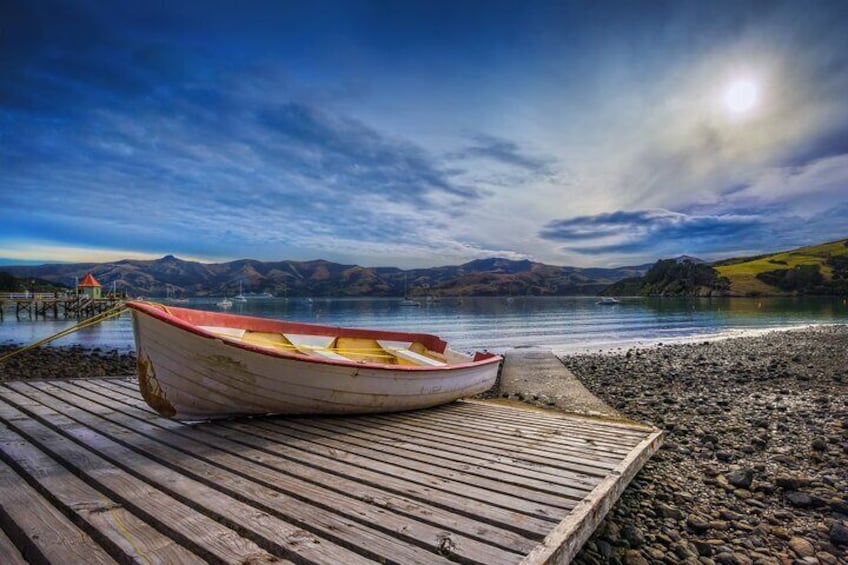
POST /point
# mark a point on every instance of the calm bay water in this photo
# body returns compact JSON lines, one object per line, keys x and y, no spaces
{"x":563,"y":324}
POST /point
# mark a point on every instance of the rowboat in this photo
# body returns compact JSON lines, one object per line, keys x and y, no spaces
{"x":197,"y":365}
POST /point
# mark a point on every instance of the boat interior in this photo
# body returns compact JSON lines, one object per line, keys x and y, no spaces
{"x":343,"y":348}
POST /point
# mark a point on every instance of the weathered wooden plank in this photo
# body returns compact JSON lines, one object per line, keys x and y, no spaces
{"x":500,"y":463}
{"x":529,"y":414}
{"x":479,"y":439}
{"x":480,"y":447}
{"x":456,"y":522}
{"x":483,"y":505}
{"x":587,"y":462}
{"x":44,"y":534}
{"x":558,"y":435}
{"x":104,"y":519}
{"x":245,"y":493}
{"x":10,"y":554}
{"x":263,"y":529}
{"x":470,"y":429}
{"x":563,"y":543}
{"x":326,"y":433}
{"x":369,"y":470}
{"x":414,"y":531}
{"x":348,"y":431}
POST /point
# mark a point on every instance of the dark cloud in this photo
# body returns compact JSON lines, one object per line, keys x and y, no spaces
{"x":345,"y":152}
{"x":505,"y":151}
{"x":830,"y":143}
{"x":646,"y":230}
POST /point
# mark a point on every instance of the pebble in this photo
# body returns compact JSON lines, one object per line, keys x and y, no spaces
{"x":65,"y":363}
{"x":754,"y":467}
{"x":839,"y":534}
{"x":802,"y":547}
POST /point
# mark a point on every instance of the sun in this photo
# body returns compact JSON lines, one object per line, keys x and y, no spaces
{"x":741,"y":96}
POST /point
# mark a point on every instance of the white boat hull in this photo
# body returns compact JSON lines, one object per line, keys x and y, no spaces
{"x":190,"y":376}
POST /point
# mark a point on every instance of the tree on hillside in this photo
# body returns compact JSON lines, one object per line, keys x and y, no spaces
{"x":8,"y":283}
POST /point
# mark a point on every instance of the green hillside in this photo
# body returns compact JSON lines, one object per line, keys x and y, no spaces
{"x":817,"y":269}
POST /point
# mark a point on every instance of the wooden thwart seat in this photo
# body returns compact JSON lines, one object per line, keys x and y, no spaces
{"x":222,"y":331}
{"x":315,"y":345}
{"x":400,"y":349}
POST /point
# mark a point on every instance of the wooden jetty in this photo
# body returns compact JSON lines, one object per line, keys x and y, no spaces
{"x":59,"y":306}
{"x":88,"y":473}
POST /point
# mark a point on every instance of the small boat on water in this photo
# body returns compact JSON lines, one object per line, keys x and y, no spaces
{"x":240,"y":297}
{"x":225,"y":303}
{"x":197,"y":365}
{"x":607,"y":301}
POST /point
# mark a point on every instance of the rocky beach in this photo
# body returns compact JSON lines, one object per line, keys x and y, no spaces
{"x":754,"y":468}
{"x":64,"y":363}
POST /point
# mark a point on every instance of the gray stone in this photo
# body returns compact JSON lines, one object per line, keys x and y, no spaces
{"x":804,"y":500}
{"x":633,"y":536}
{"x":741,"y":478}
{"x":788,"y":482}
{"x":839,"y":534}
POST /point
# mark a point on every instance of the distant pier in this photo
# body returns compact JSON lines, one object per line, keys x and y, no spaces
{"x":48,"y":304}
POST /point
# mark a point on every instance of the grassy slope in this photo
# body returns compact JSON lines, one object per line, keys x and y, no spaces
{"x":742,"y":274}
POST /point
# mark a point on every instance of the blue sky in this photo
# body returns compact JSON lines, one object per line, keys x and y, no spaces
{"x":421,"y":133}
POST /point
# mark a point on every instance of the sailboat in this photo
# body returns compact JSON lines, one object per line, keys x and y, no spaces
{"x":240,"y":297}
{"x":407,"y":301}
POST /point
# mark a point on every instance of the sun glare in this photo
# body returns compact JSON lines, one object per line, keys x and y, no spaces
{"x":741,"y":96}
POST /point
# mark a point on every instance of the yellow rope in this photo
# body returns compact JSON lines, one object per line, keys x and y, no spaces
{"x":88,"y":322}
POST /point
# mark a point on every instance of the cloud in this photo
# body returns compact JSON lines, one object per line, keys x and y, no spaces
{"x":804,"y":190}
{"x":345,"y":153}
{"x":647,"y":230}
{"x":652,"y":234}
{"x":298,"y":132}
{"x":506,"y":152}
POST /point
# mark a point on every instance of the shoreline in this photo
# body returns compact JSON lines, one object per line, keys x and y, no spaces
{"x":754,"y":469}
{"x":724,"y":334}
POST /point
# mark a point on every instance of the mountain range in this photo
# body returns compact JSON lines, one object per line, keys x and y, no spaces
{"x":482,"y":277}
{"x":815,"y":269}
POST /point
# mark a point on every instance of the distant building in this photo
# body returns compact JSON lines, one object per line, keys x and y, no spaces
{"x":89,"y":286}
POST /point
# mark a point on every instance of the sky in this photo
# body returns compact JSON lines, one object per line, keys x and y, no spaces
{"x":418,"y":134}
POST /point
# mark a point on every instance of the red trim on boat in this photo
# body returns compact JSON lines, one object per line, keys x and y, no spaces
{"x":188,"y":320}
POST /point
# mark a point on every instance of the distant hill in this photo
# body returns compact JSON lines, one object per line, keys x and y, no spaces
{"x":681,"y":276}
{"x":483,"y":277}
{"x":817,"y":269}
{"x":11,"y":283}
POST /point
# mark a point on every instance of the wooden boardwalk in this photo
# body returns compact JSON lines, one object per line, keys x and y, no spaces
{"x":89,"y":474}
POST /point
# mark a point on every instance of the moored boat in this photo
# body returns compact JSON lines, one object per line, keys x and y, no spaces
{"x":197,"y":365}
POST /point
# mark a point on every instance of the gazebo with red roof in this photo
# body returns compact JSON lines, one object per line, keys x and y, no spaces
{"x":89,"y":286}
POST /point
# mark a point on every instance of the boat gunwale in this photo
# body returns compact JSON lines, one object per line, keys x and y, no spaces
{"x":155,"y":310}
